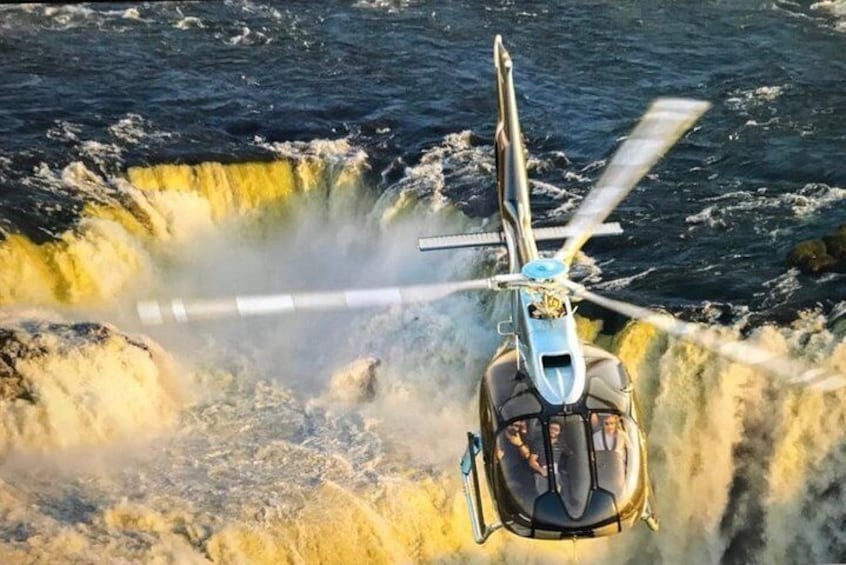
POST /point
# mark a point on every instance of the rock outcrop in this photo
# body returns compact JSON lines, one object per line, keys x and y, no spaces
{"x":823,"y":255}
{"x":355,"y":383}
{"x":65,"y":384}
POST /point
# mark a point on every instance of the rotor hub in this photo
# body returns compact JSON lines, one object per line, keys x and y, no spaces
{"x":541,"y":270}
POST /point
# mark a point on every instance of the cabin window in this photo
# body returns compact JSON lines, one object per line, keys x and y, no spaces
{"x":608,"y":386}
{"x":523,"y":403}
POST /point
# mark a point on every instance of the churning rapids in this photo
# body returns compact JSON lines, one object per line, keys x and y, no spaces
{"x":334,"y":438}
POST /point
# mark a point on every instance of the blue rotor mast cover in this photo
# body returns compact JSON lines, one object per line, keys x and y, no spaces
{"x":543,"y":269}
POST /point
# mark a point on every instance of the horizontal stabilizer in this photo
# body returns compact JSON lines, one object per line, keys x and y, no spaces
{"x":556,"y":233}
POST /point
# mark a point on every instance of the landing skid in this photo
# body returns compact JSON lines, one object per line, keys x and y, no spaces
{"x":472,"y":493}
{"x":649,"y":516}
{"x":652,"y":522}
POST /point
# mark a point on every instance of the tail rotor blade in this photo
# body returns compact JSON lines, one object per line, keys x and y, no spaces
{"x":179,"y":310}
{"x":663,"y":124}
{"x":793,"y":371}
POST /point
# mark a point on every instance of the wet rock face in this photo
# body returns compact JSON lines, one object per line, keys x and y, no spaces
{"x":17,"y":345}
{"x":66,"y":384}
{"x":835,"y":243}
{"x":12,"y":385}
{"x":816,"y":256}
{"x":356,"y":383}
{"x":33,"y":339}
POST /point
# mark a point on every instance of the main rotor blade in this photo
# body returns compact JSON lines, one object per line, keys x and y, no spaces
{"x":793,"y":370}
{"x":179,"y":310}
{"x":663,"y":124}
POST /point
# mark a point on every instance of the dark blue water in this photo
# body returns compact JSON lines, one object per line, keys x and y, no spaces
{"x":762,"y":171}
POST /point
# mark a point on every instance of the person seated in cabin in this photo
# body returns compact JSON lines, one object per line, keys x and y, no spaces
{"x":513,"y":453}
{"x":516,"y":433}
{"x":611,"y":444}
{"x":538,"y":460}
{"x":611,"y":437}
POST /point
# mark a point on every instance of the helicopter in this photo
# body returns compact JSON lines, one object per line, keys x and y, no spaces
{"x":561,"y":441}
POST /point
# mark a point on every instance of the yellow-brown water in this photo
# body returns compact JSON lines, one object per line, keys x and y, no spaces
{"x":138,"y":219}
{"x":223,"y":444}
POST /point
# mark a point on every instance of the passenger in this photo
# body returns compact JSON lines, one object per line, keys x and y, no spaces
{"x":537,"y":460}
{"x":609,"y":437}
{"x":610,"y":444}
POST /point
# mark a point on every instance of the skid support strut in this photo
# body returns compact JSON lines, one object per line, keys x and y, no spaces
{"x":472,"y":492}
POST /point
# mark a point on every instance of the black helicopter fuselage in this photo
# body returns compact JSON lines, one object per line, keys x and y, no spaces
{"x":594,"y":485}
{"x":563,"y":451}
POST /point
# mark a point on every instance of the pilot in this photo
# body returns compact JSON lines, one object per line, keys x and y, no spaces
{"x":609,"y":437}
{"x":513,"y":455}
{"x":537,"y":460}
{"x":516,"y":434}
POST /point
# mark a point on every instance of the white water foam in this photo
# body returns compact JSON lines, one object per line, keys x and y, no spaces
{"x":189,"y":22}
{"x":623,"y":282}
{"x":835,"y":8}
{"x":748,"y":99}
{"x":724,"y":210}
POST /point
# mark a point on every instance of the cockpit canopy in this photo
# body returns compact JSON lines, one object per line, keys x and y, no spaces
{"x":569,"y":471}
{"x":571,"y":468}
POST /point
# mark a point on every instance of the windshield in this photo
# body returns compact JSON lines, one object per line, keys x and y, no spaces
{"x":538,"y":457}
{"x":589,"y":464}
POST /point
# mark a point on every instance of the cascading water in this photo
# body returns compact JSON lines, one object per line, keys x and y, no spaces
{"x":243,"y":452}
{"x":146,"y":152}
